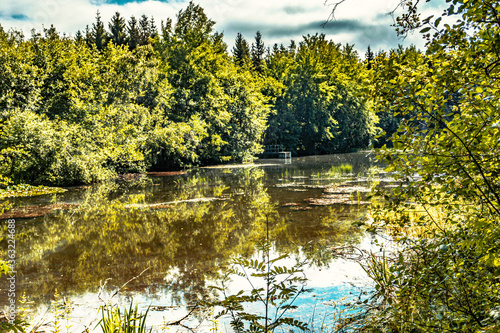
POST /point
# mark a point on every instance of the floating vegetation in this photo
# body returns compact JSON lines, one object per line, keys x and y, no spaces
{"x":301,"y":208}
{"x":24,"y":190}
{"x":170,"y":203}
{"x":35,"y":211}
{"x":336,"y":199}
{"x":166,"y":174}
{"x":337,"y":171}
{"x":296,"y":206}
{"x":345,"y":177}
{"x":290,"y":185}
{"x":302,"y":185}
{"x":239,"y":166}
{"x":343,"y":199}
{"x":346,"y":189}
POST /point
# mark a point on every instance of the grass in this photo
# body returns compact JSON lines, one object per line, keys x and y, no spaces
{"x":131,"y":321}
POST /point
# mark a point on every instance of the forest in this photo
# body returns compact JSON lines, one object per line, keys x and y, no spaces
{"x":135,"y":98}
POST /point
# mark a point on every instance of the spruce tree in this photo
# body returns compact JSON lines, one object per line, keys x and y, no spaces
{"x":144,"y":30}
{"x":79,"y":37}
{"x":89,"y":40}
{"x":258,"y":50}
{"x":153,"y":30}
{"x":241,"y":51}
{"x":293,"y":47}
{"x":369,"y":56}
{"x":166,"y":30}
{"x":117,"y":28}
{"x":133,"y":33}
{"x":99,"y":34}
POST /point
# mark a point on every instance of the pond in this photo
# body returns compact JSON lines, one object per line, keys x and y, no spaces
{"x":163,"y":239}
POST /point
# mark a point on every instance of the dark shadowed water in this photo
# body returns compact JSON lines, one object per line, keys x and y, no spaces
{"x":182,"y":231}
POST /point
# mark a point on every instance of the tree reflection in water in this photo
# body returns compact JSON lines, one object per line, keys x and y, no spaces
{"x":186,"y":228}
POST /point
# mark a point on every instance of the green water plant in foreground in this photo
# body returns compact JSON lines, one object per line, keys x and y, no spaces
{"x":281,"y":287}
{"x":273,"y":289}
{"x":130,"y":321}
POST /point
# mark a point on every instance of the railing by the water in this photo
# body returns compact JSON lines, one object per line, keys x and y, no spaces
{"x":272,"y":149}
{"x":277,"y":151}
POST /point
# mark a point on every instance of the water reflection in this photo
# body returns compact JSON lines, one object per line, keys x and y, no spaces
{"x":186,"y":228}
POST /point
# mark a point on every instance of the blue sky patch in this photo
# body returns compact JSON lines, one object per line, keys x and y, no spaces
{"x":17,"y":17}
{"x":20,"y":17}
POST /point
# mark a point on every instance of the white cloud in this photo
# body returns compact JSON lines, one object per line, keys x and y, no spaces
{"x":71,"y":15}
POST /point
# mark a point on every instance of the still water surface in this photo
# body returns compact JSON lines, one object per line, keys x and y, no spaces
{"x":183,"y":230}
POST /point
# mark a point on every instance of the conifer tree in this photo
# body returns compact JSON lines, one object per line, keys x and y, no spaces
{"x":166,"y":30}
{"x":89,"y":40}
{"x":99,"y":35}
{"x":133,"y":33}
{"x":369,"y":56}
{"x":241,"y":51}
{"x":153,"y":30}
{"x":117,"y":28}
{"x":144,"y":30}
{"x":258,"y":50}
{"x":51,"y":33}
{"x":79,"y":37}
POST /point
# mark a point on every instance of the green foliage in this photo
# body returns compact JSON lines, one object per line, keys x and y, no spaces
{"x":99,"y":36}
{"x":321,"y":109}
{"x":446,"y":158}
{"x":131,"y":321}
{"x":117,"y":29}
{"x":16,"y":326}
{"x":81,"y":110}
{"x":281,"y":285}
{"x":25,"y":190}
{"x":385,"y":69}
{"x":208,"y":84}
{"x":258,"y":50}
{"x":52,"y":151}
{"x":241,"y":52}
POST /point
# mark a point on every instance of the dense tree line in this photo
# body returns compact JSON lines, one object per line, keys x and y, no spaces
{"x":322,"y":107}
{"x":130,"y":98}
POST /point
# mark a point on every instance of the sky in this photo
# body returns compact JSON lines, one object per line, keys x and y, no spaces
{"x":358,"y":22}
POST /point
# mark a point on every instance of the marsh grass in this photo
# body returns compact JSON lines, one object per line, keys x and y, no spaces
{"x":335,"y":172}
{"x":114,"y":320}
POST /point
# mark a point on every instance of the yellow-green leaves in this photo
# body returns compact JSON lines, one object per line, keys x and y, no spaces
{"x":446,"y":158}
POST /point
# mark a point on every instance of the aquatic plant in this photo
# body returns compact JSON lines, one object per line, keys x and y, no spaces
{"x":24,"y":190}
{"x":131,"y":321}
{"x":274,"y":289}
{"x":336,"y":171}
